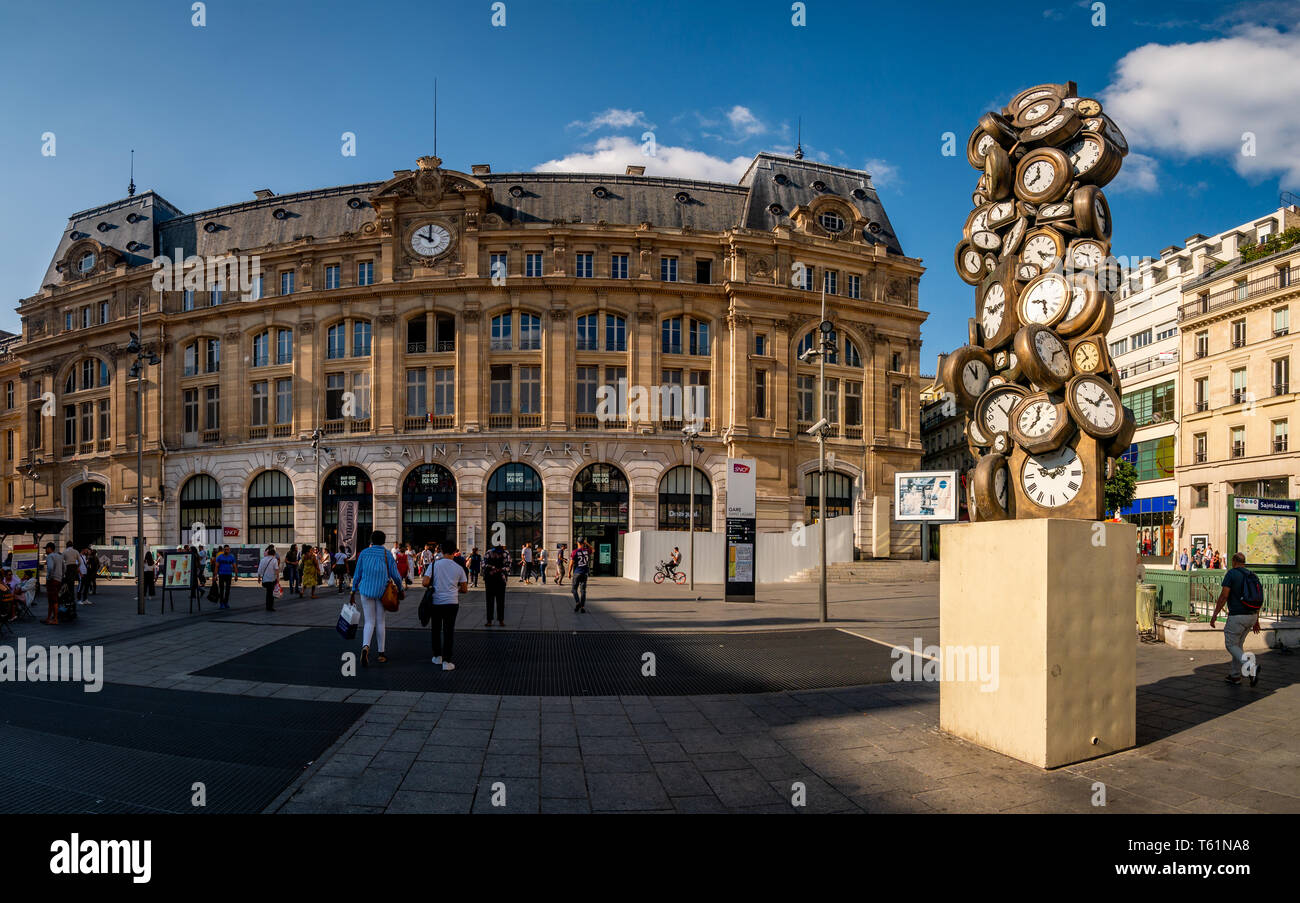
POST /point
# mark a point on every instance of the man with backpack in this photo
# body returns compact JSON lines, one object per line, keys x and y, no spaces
{"x":581,"y":569}
{"x":1243,"y":594}
{"x":496,"y":568}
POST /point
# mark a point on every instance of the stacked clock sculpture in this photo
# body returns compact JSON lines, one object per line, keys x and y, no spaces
{"x":1044,"y":419}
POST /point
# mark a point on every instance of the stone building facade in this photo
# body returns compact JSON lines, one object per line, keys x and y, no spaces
{"x":444,"y":335}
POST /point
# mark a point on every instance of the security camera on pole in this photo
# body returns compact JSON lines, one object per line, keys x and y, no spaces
{"x":827,"y":345}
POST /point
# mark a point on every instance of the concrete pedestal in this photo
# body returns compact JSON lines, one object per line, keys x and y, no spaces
{"x":1054,"y":598}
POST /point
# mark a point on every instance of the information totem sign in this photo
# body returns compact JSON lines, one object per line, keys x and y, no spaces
{"x":742,"y":505}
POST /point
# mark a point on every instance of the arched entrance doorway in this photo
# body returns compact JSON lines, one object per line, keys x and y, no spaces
{"x":347,"y":484}
{"x":675,"y":501}
{"x":201,"y":503}
{"x":600,"y":497}
{"x":88,"y":515}
{"x":839,"y":495}
{"x":429,"y":506}
{"x":514,"y":498}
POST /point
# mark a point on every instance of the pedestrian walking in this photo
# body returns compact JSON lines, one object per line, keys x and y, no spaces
{"x":496,"y":570}
{"x":54,"y":569}
{"x":475,"y":565}
{"x":403,"y":563}
{"x":84,"y":577}
{"x":561,"y":563}
{"x":374,"y":569}
{"x":340,"y":568}
{"x":541,"y":562}
{"x":92,"y":570}
{"x":311,"y":571}
{"x":150,"y":574}
{"x":448,"y":581}
{"x":268,"y":572}
{"x":1243,"y":595}
{"x":1183,"y":560}
{"x":526,"y":566}
{"x":225,"y":574}
{"x":581,"y":569}
{"x":293,"y":569}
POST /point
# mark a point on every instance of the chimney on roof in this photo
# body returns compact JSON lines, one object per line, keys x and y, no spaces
{"x":263,"y":193}
{"x":635,"y":170}
{"x":481,"y":169}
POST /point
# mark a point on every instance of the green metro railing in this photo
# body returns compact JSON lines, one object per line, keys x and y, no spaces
{"x":1191,"y":595}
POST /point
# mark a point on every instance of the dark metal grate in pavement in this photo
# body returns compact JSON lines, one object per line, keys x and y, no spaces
{"x":587,"y":663}
{"x":137,"y":749}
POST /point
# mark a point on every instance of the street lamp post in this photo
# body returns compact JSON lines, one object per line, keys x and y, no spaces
{"x":317,"y":439}
{"x":135,"y":346}
{"x":688,"y":439}
{"x":826,"y":345}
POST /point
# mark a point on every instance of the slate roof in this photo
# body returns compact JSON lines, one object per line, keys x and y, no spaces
{"x":159,"y":228}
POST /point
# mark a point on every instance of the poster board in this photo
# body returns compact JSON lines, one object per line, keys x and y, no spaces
{"x":926,"y":496}
{"x":177,"y":570}
{"x":1265,"y":531}
{"x":116,"y":561}
{"x":742,"y":511}
{"x":27,"y":560}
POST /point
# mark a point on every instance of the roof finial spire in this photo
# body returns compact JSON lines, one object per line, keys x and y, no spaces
{"x":130,"y":189}
{"x":798,"y":148}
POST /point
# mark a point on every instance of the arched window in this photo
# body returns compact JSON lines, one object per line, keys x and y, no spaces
{"x":336,"y":339}
{"x":851,"y":356}
{"x":201,"y":356}
{"x":501,"y":337}
{"x":675,"y":500}
{"x":514,"y":498}
{"x":600,"y":500}
{"x":429,"y":506}
{"x":200,"y":503}
{"x":88,"y":373}
{"x":270,"y":508}
{"x":284,"y":346}
{"x":347,"y":484}
{"x":839,"y":495}
{"x":588,"y":330}
{"x":812,"y":339}
{"x":261,"y":349}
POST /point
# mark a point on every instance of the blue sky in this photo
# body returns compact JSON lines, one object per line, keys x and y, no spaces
{"x":259,"y":96}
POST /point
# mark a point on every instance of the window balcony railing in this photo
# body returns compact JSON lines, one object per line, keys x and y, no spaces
{"x":585,"y":421}
{"x":69,"y":451}
{"x":1233,"y":296}
{"x":102,"y":445}
{"x":282,"y":430}
{"x":1239,"y":449}
{"x":210,"y":436}
{"x":1239,"y":343}
{"x":359,"y":425}
{"x":1239,"y":395}
{"x":443,"y":421}
{"x":257,"y":432}
{"x":1202,"y":352}
{"x":530,"y":421}
{"x":501,"y":421}
{"x":87,"y":448}
{"x":853,"y":432}
{"x":1281,"y":330}
{"x":416,"y":347}
{"x":1202,"y":405}
{"x":1279,"y":444}
{"x":613,"y":425}
{"x":419,"y":422}
{"x":333,"y":427}
{"x":1201,"y":457}
{"x":1281,"y":388}
{"x":446,"y":346}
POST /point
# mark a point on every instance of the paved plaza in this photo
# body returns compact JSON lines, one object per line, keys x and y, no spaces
{"x":291,"y":734}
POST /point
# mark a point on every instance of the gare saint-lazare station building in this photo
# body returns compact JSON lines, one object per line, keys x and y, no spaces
{"x":445,"y":337}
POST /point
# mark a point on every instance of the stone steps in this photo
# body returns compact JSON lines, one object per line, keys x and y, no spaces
{"x":871,"y":571}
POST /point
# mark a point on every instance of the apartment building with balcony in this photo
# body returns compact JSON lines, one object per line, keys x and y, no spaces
{"x":1238,"y":399}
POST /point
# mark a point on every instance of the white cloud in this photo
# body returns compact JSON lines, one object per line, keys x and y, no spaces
{"x":614,"y":153}
{"x":1139,"y":173}
{"x":613,"y":119}
{"x":1201,"y":99}
{"x":882,"y":172}
{"x":745,"y":122}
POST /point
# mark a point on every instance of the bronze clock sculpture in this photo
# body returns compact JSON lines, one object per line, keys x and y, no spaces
{"x":1044,"y":418}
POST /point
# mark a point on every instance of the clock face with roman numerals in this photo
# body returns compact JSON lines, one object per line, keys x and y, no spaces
{"x":1052,"y":479}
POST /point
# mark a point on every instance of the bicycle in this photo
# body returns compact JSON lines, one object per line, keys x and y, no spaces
{"x":662,"y":573}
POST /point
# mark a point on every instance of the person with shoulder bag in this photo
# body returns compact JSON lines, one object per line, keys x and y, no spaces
{"x":268,"y":572}
{"x":1243,"y":595}
{"x":379,"y":584}
{"x":447,"y":581}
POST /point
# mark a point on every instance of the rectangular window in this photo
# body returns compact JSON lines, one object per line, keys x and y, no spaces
{"x":530,"y":332}
{"x":1239,"y":385}
{"x":501,"y":396}
{"x":618,"y":266}
{"x":255,"y":293}
{"x":500,"y":337}
{"x":1201,"y":389}
{"x":444,"y":391}
{"x":366,"y":272}
{"x":67,"y":320}
{"x":803,"y":276}
{"x":896,"y":407}
{"x":103,"y":311}
{"x":215,"y":296}
{"x":70,"y":425}
{"x":1141,"y":339}
{"x":284,"y":346}
{"x":760,"y":393}
{"x":284,"y":401}
{"x":1282,"y":376}
{"x":831,"y":282}
{"x":261,"y":350}
{"x":1202,"y":343}
{"x":586,"y":336}
{"x":191,"y":409}
{"x":1154,"y":404}
{"x":583,"y":267}
{"x":853,"y":402}
{"x":1201,"y":448}
{"x":498,"y":266}
{"x":1167,"y":332}
{"x":105,"y":422}
{"x":704,"y":272}
{"x":670,"y":405}
{"x":616,"y":377}
{"x":361,"y":395}
{"x":85,"y":318}
{"x":213,"y":362}
{"x":187,"y":299}
{"x":1243,"y":289}
{"x":533,"y":264}
{"x":1200,"y":496}
{"x":530,"y":390}
{"x":831,"y":400}
{"x":1281,"y":436}
{"x":9,"y":394}
{"x":213,"y":421}
{"x":361,"y":338}
{"x":286,"y":282}
{"x":332,"y":276}
{"x":698,"y":397}
{"x":668,"y":269}
{"x":672,"y":336}
{"x":190,"y":363}
{"x":1238,"y":333}
{"x":806,"y":392}
{"x":1118,"y":348}
{"x":587,"y":385}
{"x":417,"y":392}
{"x":1238,"y":445}
{"x":760,"y":345}
{"x":261,"y":403}
{"x":335,"y":385}
{"x":1153,"y":459}
{"x":615,"y":333}
{"x":855,"y":286}
{"x":1281,"y":321}
{"x":699,"y":338}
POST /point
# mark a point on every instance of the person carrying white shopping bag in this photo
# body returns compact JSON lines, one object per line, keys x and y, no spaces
{"x":379,"y":584}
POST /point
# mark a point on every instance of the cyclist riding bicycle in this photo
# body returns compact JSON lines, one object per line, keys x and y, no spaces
{"x":671,"y":565}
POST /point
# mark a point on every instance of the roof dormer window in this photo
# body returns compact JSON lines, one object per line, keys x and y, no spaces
{"x":87,"y":262}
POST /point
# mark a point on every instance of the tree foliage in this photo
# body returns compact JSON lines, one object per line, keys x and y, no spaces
{"x":1121,"y":487}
